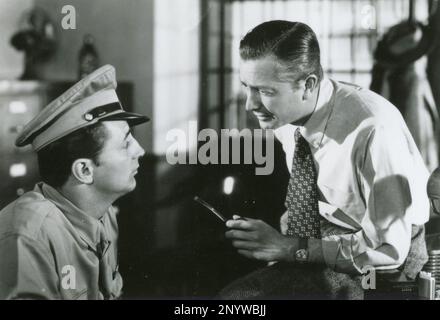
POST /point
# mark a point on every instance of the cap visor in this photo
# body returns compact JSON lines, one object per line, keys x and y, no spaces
{"x":133,"y":119}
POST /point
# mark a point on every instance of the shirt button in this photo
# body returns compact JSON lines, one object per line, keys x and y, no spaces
{"x":316,"y":144}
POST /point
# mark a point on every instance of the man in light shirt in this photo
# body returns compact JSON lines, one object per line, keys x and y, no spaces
{"x":368,"y":178}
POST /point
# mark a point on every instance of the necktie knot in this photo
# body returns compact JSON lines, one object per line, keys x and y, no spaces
{"x":302,"y":149}
{"x":298,"y":135}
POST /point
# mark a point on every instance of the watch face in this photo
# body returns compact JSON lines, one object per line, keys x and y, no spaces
{"x":301,"y":255}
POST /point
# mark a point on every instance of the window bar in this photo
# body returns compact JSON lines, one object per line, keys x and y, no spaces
{"x":330,"y":36}
{"x":242,"y":31}
{"x":352,"y":41}
{"x":378,"y":22}
{"x":321,"y":19}
{"x":221,"y":74}
{"x":267,"y":9}
{"x":272,"y":9}
{"x":324,"y":31}
{"x":372,"y":31}
{"x":242,"y":112}
{"x":236,"y":31}
{"x":307,"y":10}
{"x":411,"y":18}
{"x":204,"y":52}
{"x":402,"y":10}
{"x":285,"y":6}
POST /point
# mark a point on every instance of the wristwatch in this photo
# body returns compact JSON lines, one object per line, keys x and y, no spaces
{"x":302,"y":253}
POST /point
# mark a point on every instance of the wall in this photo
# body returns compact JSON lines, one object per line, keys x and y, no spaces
{"x":123,"y":31}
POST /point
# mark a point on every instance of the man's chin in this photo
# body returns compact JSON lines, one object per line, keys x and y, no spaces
{"x":131,"y":187}
{"x":269,"y":124}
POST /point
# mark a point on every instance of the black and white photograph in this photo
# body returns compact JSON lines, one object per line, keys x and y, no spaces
{"x":220,"y":154}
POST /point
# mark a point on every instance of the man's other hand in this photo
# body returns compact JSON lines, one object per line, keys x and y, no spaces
{"x":257,"y":240}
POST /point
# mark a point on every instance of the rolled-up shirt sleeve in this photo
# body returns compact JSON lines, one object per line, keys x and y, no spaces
{"x":27,"y":270}
{"x":392,"y":180}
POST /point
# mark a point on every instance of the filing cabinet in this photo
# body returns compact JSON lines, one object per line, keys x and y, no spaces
{"x":20,"y":101}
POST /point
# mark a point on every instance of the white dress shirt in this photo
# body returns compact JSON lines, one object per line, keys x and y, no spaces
{"x":371,"y":177}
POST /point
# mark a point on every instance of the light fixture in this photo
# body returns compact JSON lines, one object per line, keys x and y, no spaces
{"x":17,"y":107}
{"x":17,"y":170}
{"x":228,"y":185}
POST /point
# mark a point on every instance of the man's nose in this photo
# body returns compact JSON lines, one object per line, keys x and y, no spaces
{"x":139,"y":151}
{"x":253,"y":101}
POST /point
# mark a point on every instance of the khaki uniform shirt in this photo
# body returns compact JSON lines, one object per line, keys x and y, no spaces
{"x":50,"y":249}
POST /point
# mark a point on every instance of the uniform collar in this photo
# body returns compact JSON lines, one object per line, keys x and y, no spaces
{"x":87,"y":226}
{"x":314,"y":129}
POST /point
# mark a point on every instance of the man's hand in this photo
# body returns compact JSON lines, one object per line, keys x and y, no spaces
{"x":256,"y":239}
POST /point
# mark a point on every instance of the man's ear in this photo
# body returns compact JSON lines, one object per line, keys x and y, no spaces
{"x":82,"y":170}
{"x":310,"y":84}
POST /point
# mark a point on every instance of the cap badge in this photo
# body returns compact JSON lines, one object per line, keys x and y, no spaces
{"x":88,"y":117}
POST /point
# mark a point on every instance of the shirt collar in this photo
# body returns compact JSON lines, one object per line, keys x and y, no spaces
{"x":87,"y":226}
{"x":314,"y":129}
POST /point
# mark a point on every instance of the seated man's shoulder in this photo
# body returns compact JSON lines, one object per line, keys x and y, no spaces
{"x":365,"y":106}
{"x":28,"y":215}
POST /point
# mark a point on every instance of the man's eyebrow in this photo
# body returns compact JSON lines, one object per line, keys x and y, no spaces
{"x":266,"y":88}
{"x":257,"y":87}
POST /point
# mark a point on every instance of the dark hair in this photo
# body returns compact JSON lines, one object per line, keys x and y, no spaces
{"x":56,"y":159}
{"x":294,"y":44}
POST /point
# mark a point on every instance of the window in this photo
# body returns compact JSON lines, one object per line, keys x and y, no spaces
{"x":347,"y":30}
